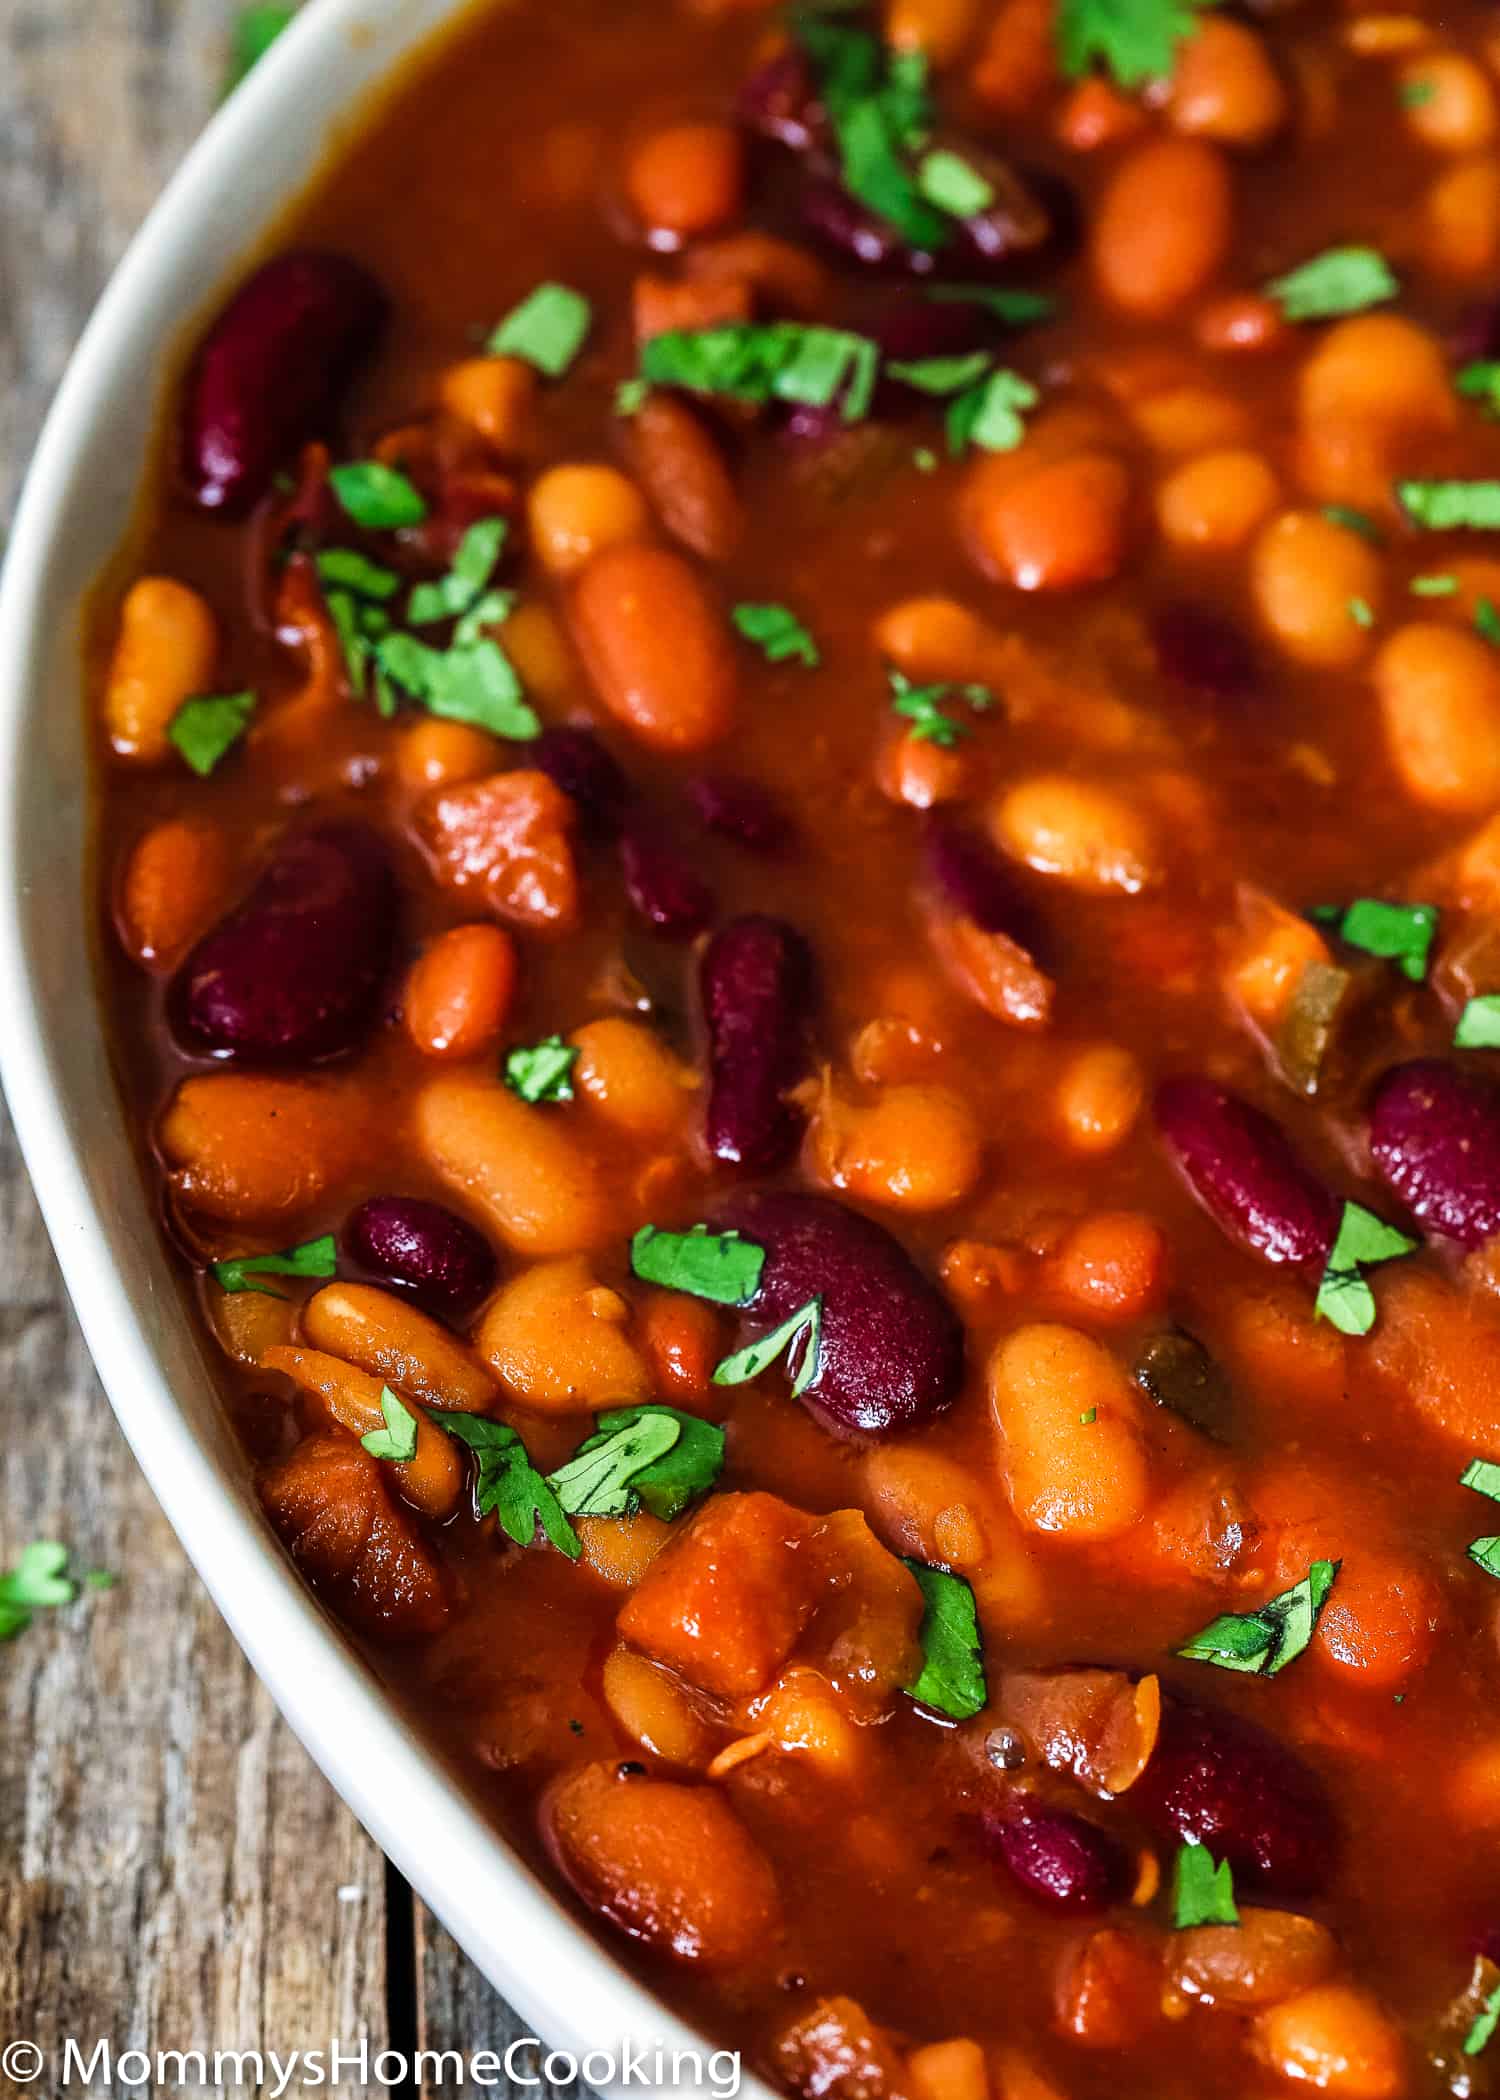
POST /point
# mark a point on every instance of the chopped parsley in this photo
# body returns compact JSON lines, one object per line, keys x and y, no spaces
{"x":507,"y":1483}
{"x":461,"y":589}
{"x":255,"y":31}
{"x":207,"y":727}
{"x":1398,"y":933}
{"x":1361,"y":612}
{"x":881,"y":114}
{"x":1487,"y":621}
{"x":1340,"y":281}
{"x":317,"y":1257}
{"x":950,"y":182}
{"x":922,"y":706}
{"x":1434,"y":586}
{"x":1480,"y":381}
{"x":397,"y":1441}
{"x":1353,"y":521}
{"x":1016,"y":308}
{"x":1202,"y":1893}
{"x":1479,"y":1024}
{"x":1450,"y":506}
{"x":378,"y":498}
{"x":39,"y":1581}
{"x":719,"y":1266}
{"x":547,"y":330}
{"x":767,"y":361}
{"x":1416,"y":94}
{"x":474,"y":681}
{"x":805,"y":1325}
{"x":1344,"y":1296}
{"x":941,"y":375}
{"x":1135,"y":40}
{"x":777,"y":633}
{"x":1483,"y":1475}
{"x":951,"y":1678}
{"x":1486,"y":2021}
{"x":1261,"y":1643}
{"x":989,"y":413}
{"x":649,"y":1456}
{"x":542,"y":1071}
{"x":345,"y":568}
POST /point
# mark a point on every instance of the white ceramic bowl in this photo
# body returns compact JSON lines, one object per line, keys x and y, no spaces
{"x":82,"y":492}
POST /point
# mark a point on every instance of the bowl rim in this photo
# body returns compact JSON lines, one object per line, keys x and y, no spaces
{"x":573,"y":1992}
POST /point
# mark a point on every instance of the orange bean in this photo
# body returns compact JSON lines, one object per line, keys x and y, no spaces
{"x":653,"y":1710}
{"x":686,"y":476}
{"x":173,"y":884}
{"x":1224,"y":86}
{"x":1307,"y":575}
{"x":522,"y":1167}
{"x":1216,"y":500}
{"x":1241,"y":321}
{"x":656,"y":648}
{"x":633,"y":1080}
{"x":1056,"y":529}
{"x":1096,"y":114}
{"x":1439,"y":694}
{"x":913,"y":1147}
{"x":1074,"y":1462}
{"x":937,"y":639}
{"x":166,"y":652}
{"x":435,"y":753}
{"x":940,"y":29}
{"x":1089,"y":836}
{"x":575,"y":512}
{"x":431,"y":1480}
{"x":1099,"y":1096}
{"x":919,"y":771}
{"x":1163,"y":226}
{"x":686,"y":179}
{"x":459,"y":991}
{"x":255,"y":1150}
{"x":1447,"y":100}
{"x":496,"y":396}
{"x":1108,"y":1990}
{"x":1191,"y":418}
{"x":559,"y":1341}
{"x":1110,"y":1266}
{"x":1017,"y":63}
{"x":953,"y":2070}
{"x":387,"y":1336}
{"x":683,"y":1341}
{"x":1379,"y":372}
{"x":619,"y":1550}
{"x":1461,"y":219}
{"x":1268,"y":1956}
{"x":1335,"y":2040}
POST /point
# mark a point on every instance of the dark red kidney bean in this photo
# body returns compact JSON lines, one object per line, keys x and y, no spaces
{"x":672,"y":899}
{"x":588,"y":774}
{"x":757,"y":987}
{"x":1476,"y":333}
{"x":779,"y":101}
{"x":740,"y":809}
{"x":891,"y":1353}
{"x":1435,"y":1138}
{"x":850,"y":229}
{"x":424,"y":1248}
{"x":1241,"y":1167}
{"x":977,"y":884}
{"x":1205,"y":651}
{"x":917,"y":328}
{"x":1243,"y":1794}
{"x":1061,"y":1861}
{"x":295,"y":974}
{"x":271,"y":372}
{"x":1032,"y":214}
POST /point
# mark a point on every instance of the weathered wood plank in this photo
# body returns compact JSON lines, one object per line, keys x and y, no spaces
{"x":458,"y":2010}
{"x":173,"y":1873}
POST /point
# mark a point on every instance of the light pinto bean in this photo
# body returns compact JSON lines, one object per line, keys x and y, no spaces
{"x":632,"y":1080}
{"x":407,"y":1349}
{"x":1439,"y":694}
{"x":914,"y":1147}
{"x":1069,"y":1418}
{"x":459,"y":991}
{"x":520,"y":1166}
{"x":172,"y":886}
{"x":431,"y":1480}
{"x":559,"y":1341}
{"x":1088,"y":835}
{"x":1307,"y":575}
{"x":1224,"y":86}
{"x":576,"y":512}
{"x":1216,"y":500}
{"x":165,"y":653}
{"x":255,"y":1150}
{"x":686,"y":476}
{"x":656,"y":647}
{"x":496,"y":396}
{"x":1163,"y":226}
{"x":653,"y":1710}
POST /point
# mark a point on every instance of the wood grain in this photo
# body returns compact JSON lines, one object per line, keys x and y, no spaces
{"x":173,"y":1872}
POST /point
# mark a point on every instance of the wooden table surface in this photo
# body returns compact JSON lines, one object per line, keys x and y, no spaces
{"x":174,"y":1874}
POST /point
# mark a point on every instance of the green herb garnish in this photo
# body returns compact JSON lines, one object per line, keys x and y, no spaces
{"x":1434,"y":586}
{"x":805,"y":1325}
{"x":940,"y":375}
{"x":950,"y":182}
{"x":547,"y":330}
{"x":507,"y":1483}
{"x":951,"y":1678}
{"x":207,"y":727}
{"x":542,"y":1071}
{"x":1483,"y":1475}
{"x":1202,"y":1893}
{"x":460,"y":590}
{"x":1344,"y":1296}
{"x":769,"y":361}
{"x":1451,"y":506}
{"x":1361,"y":612}
{"x":1340,"y":281}
{"x":1135,"y":40}
{"x":255,"y":31}
{"x":1479,"y":1024}
{"x":881,"y":114}
{"x":317,"y":1257}
{"x":649,"y":1456}
{"x":38,"y":1582}
{"x":1261,"y":1643}
{"x":719,"y":1266}
{"x":1016,"y":308}
{"x":1353,"y":521}
{"x":1487,"y":621}
{"x":1480,"y":381}
{"x":398,"y":1440}
{"x":777,"y":633}
{"x":1486,"y":2021}
{"x":474,"y":681}
{"x":1398,"y":933}
{"x":345,"y":568}
{"x":922,"y":706}
{"x":377,"y":497}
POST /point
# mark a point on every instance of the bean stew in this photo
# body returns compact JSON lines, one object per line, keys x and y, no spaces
{"x":800,"y":842}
